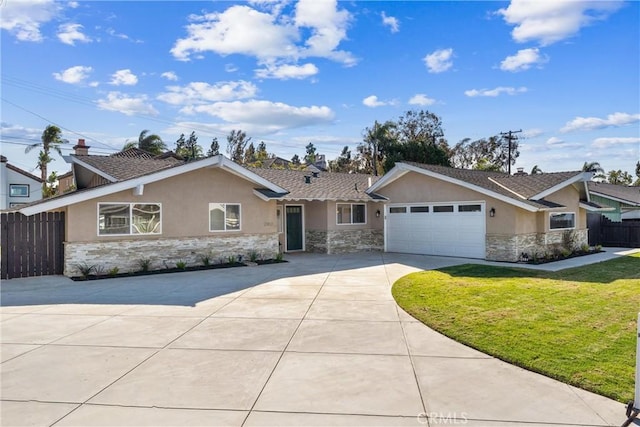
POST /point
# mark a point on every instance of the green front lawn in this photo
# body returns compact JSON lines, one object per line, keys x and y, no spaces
{"x":577,"y":325}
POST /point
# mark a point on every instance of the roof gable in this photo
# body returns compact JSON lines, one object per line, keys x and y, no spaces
{"x":524,"y":191}
{"x":16,"y":169}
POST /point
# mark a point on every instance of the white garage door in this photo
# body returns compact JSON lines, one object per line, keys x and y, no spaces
{"x":450,"y":229}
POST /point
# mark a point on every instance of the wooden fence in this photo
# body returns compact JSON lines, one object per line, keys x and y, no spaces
{"x":603,"y":231}
{"x":31,"y":245}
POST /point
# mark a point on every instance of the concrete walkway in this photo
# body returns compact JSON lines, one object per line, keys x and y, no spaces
{"x":316,"y":341}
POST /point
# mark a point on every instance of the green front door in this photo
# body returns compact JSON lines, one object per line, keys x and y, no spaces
{"x":294,"y":228}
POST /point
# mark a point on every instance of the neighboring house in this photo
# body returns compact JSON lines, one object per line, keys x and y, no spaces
{"x":477,"y":214}
{"x":66,"y":182}
{"x":625,"y":201}
{"x":132,"y":206}
{"x":17,"y":187}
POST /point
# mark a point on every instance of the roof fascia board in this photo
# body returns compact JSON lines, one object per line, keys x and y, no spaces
{"x":473,"y":187}
{"x":583,"y":176}
{"x":520,"y":196}
{"x":594,"y":209}
{"x":617,"y":199}
{"x":92,"y":169}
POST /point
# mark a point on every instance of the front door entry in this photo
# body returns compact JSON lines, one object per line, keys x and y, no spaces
{"x":294,"y":228}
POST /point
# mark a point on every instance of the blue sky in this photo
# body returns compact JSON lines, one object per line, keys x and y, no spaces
{"x":294,"y":72}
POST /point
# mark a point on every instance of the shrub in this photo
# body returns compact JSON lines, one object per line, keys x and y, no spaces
{"x":205,"y":259}
{"x":85,"y":269}
{"x":231,"y":259}
{"x":585,"y":248}
{"x":145,"y":264}
{"x":253,"y":256}
{"x":113,"y":271}
{"x":279,"y":256}
{"x":568,"y":240}
{"x":181,"y":265}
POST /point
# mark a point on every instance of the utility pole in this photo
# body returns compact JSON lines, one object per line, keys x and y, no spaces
{"x":510,"y":137}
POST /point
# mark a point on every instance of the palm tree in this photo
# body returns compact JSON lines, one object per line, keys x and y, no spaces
{"x":535,"y":170}
{"x":595,"y":168}
{"x":151,"y":143}
{"x":377,"y":138}
{"x":51,"y":140}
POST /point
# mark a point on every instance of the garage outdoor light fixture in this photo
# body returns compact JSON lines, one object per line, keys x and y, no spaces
{"x":492,"y":212}
{"x":378,"y":213}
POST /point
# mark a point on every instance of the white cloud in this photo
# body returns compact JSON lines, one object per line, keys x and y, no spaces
{"x":73,"y":4}
{"x":71,"y":33}
{"x":239,"y":29}
{"x":170,"y":75}
{"x":128,"y":105}
{"x":373,"y":101}
{"x":124,"y":77}
{"x":23,"y":18}
{"x":555,"y":141}
{"x":548,"y":22}
{"x":523,"y":60}
{"x":608,"y":142}
{"x":421,"y":99}
{"x":269,"y":36}
{"x":230,"y":68}
{"x":73,"y":75}
{"x":593,"y":123}
{"x":287,"y":71}
{"x":114,"y":33}
{"x":532,"y":133}
{"x":264,"y":116}
{"x":439,"y":60}
{"x":201,"y":92}
{"x":495,"y":92}
{"x":391,"y":22}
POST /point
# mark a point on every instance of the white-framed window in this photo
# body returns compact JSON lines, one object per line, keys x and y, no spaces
{"x":129,"y":218}
{"x":470,"y":208}
{"x":351,"y":213}
{"x":280,"y":219}
{"x":18,"y":190}
{"x":443,"y":208}
{"x":397,"y":209}
{"x":562,"y":220}
{"x":224,"y":217}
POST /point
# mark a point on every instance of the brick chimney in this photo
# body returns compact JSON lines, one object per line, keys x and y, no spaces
{"x":81,"y":149}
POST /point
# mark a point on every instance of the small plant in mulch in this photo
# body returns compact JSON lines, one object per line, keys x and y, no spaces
{"x":85,"y":269}
{"x":144,"y":264}
{"x":558,"y":254}
{"x":181,"y":265}
{"x":205,"y":259}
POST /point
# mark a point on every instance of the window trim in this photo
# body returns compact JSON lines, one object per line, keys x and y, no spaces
{"x":225,"y":217}
{"x":351,"y":205}
{"x":20,"y":185}
{"x":562,"y":213}
{"x":131,"y":204}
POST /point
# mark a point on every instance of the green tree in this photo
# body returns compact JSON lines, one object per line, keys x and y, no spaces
{"x":50,"y":140}
{"x":343,"y":163}
{"x":637,"y":182}
{"x":214,"y":149}
{"x":189,"y":149}
{"x":310,"y":157}
{"x":485,"y":154}
{"x":376,"y":141}
{"x":250,"y":155}
{"x":417,"y":137}
{"x":596,"y":169}
{"x":236,"y":143}
{"x":149,"y":142}
{"x":295,"y":160}
{"x":50,"y":188}
{"x":619,"y":177}
{"x":261,"y":154}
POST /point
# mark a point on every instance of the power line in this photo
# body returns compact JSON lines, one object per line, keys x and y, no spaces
{"x":510,"y":137}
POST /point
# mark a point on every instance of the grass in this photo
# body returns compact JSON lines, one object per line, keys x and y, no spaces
{"x":577,"y":325}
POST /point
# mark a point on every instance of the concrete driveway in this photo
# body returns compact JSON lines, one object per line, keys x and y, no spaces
{"x":315,"y":341}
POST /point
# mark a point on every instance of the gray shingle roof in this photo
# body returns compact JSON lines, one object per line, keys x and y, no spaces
{"x":511,"y":186}
{"x":129,"y":164}
{"x":326,"y":186}
{"x":629,"y":194}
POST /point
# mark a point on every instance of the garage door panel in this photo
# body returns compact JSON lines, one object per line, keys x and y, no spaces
{"x":444,"y":233}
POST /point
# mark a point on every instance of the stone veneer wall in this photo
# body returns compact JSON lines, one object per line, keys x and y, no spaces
{"x":509,"y":247}
{"x":344,"y":241}
{"x":125,"y":254}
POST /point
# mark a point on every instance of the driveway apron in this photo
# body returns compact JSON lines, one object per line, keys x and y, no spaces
{"x":315,"y":341}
